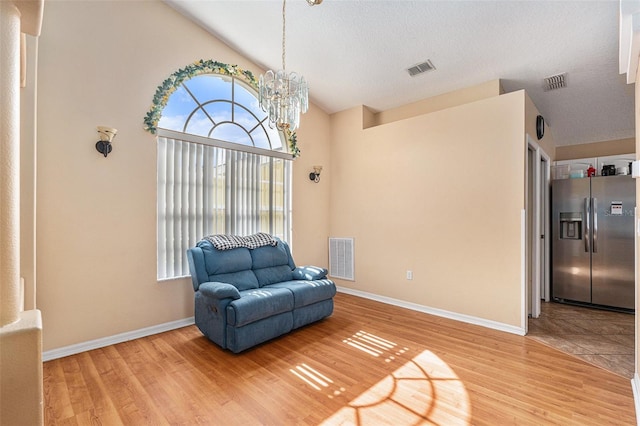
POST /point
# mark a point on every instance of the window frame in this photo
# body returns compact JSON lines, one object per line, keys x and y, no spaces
{"x":280,"y":153}
{"x":260,"y":124}
{"x":189,"y":137}
{"x":205,"y":66}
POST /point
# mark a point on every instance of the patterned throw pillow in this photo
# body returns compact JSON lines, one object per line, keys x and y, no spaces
{"x":225,"y":242}
{"x":228,"y":242}
{"x":258,"y":240}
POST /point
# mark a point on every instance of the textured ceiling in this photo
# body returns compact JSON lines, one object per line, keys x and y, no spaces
{"x":357,"y":52}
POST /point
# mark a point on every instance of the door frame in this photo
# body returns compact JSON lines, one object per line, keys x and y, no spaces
{"x":545,"y":196}
{"x":537,"y":244}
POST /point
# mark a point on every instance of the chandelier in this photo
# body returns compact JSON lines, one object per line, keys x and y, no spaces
{"x":284,"y":95}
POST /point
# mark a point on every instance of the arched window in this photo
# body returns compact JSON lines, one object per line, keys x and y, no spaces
{"x":220,"y":107}
{"x":221,"y":168}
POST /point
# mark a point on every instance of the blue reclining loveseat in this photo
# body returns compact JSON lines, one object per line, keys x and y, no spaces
{"x":248,"y":290}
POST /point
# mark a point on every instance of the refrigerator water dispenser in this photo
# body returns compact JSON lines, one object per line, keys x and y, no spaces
{"x":571,"y":226}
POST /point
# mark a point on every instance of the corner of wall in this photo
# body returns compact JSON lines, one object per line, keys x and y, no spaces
{"x":369,"y":117}
{"x":547,"y":143}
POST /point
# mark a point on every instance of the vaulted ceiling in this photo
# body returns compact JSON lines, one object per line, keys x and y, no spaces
{"x":357,"y":53}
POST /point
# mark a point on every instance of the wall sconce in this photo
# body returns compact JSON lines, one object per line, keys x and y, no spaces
{"x":106,"y":137}
{"x":315,"y":174}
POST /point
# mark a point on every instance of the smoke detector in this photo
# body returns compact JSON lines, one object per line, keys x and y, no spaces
{"x":554,"y":82}
{"x":421,"y":68}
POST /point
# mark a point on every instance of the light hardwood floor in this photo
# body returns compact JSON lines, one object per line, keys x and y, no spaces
{"x":368,"y":364}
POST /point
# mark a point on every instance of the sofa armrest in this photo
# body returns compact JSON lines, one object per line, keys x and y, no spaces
{"x":196,"y":267}
{"x":217,"y":290}
{"x":309,"y":273}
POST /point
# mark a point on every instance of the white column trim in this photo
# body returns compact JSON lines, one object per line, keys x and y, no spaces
{"x":9,"y":163}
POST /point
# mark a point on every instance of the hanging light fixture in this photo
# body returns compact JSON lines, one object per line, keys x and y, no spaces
{"x":283,"y":95}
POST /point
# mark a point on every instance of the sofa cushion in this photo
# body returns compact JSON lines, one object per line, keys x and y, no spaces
{"x":272,"y":264}
{"x":267,"y":256}
{"x":224,"y":261}
{"x":274,"y":274}
{"x":257,"y":304}
{"x":306,"y":292}
{"x":242,"y":280}
{"x":228,"y":266}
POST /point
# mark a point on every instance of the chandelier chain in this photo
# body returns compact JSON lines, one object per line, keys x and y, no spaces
{"x":284,"y":20}
{"x":282,"y":95}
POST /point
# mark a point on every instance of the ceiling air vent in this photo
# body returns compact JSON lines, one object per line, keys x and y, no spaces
{"x":554,"y":82}
{"x":420,"y":68}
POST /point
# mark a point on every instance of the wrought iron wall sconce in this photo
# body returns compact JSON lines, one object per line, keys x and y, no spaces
{"x":106,"y":137}
{"x":315,"y":174}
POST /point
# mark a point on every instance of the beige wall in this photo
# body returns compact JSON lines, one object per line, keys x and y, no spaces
{"x":440,"y":194}
{"x":436,"y":103}
{"x":100,"y":64}
{"x":310,"y":199}
{"x":596,"y":149}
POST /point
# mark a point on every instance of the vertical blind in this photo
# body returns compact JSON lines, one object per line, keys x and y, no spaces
{"x":204,"y":189}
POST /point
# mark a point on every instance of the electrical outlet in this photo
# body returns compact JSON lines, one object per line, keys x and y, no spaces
{"x":409,"y":275}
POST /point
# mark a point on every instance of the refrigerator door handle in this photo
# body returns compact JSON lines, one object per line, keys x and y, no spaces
{"x":595,"y":225}
{"x":587,"y":231}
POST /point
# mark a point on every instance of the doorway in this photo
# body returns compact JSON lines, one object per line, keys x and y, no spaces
{"x":538,"y":170}
{"x":603,"y":338}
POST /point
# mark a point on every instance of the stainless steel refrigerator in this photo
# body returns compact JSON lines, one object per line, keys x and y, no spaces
{"x":593,"y":246}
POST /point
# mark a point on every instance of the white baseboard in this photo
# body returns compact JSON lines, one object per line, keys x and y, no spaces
{"x":160,"y":328}
{"x":635,"y":387}
{"x":437,"y":312}
{"x":117,"y":338}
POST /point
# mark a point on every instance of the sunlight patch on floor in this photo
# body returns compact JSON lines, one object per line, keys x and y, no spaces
{"x":374,"y":345}
{"x":424,"y":390}
{"x":311,"y":376}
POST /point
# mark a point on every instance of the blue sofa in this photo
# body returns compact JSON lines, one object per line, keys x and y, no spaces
{"x":246,"y":296}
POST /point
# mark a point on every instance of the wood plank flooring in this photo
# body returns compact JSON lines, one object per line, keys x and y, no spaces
{"x":367,"y":364}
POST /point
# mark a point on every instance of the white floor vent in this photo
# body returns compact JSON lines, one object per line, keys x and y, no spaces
{"x":341,"y":258}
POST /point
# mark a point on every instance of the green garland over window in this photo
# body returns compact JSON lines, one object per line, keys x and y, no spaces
{"x":174,"y":81}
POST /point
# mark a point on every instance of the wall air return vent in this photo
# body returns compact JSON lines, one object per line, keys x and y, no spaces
{"x":341,"y":258}
{"x":420,"y":68}
{"x":554,"y":82}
